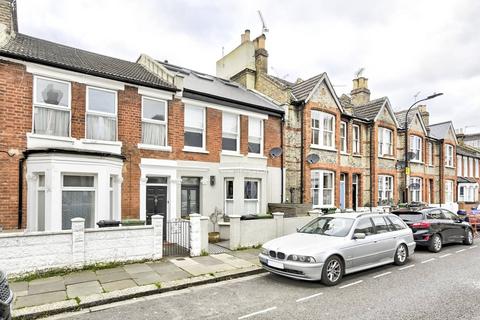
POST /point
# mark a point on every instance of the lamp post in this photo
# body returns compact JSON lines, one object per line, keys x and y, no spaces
{"x":407,"y":161}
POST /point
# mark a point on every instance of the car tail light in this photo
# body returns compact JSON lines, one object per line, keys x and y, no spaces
{"x":421,"y":225}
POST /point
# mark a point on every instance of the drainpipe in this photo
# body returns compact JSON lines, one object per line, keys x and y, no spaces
{"x":441,"y":164}
{"x":20,"y":192}
{"x":372,"y":155}
{"x":302,"y":165}
{"x":281,"y":157}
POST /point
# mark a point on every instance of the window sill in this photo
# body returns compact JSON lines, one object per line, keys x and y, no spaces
{"x":417,"y":162}
{"x":387,"y":157}
{"x":195,"y":150}
{"x":104,"y":142}
{"x":154,"y":147}
{"x":317,"y":147}
{"x":231,"y":153}
{"x":450,"y":167}
{"x":344,"y":153}
{"x":48,"y":137}
{"x":359,"y":155}
{"x":256,"y":155}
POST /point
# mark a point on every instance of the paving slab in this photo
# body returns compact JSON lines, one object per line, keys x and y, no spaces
{"x":114,"y":276}
{"x":207,"y":260}
{"x":79,"y":277}
{"x":176,"y":275}
{"x":83,"y":289}
{"x":109,"y":270}
{"x":163,"y":267}
{"x":40,"y":299}
{"x":19,"y":288}
{"x":144,"y":278}
{"x":233,"y":261}
{"x":50,"y":285}
{"x":118,"y":285}
{"x":137,"y":268}
{"x":191,"y":266}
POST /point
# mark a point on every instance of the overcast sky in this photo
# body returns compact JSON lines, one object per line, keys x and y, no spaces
{"x":405,"y":46}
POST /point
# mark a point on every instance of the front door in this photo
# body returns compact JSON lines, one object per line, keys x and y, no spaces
{"x":190,"y":196}
{"x":157,"y":204}
{"x":355,"y":192}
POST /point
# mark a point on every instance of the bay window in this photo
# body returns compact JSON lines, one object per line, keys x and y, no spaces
{"x":154,"y":122}
{"x":230,"y":132}
{"x":251,"y":196}
{"x":78,"y":199}
{"x":416,"y":148}
{"x":449,"y":155}
{"x":41,"y":202}
{"x":101,"y":114}
{"x":323,"y":129}
{"x":255,"y":135}
{"x":343,"y":136}
{"x":467,"y":192}
{"x":51,"y":107}
{"x":385,"y":190}
{"x":470,"y":167}
{"x":465,"y":166}
{"x":415,"y":189}
{"x":194,"y":128}
{"x":477,"y":173}
{"x":385,"y":142}
{"x":356,"y":139}
{"x":322,"y":188}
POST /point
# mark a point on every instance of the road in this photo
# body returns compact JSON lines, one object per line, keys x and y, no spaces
{"x":445,"y":285}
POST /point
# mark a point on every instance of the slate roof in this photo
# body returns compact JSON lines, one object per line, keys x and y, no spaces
{"x":221,"y":89}
{"x":345,"y":101}
{"x":302,"y":90}
{"x":439,"y":130}
{"x":369,"y":110}
{"x":24,"y":47}
{"x":284,"y":83}
{"x":468,"y":151}
{"x":401,"y":115}
{"x":466,"y":180}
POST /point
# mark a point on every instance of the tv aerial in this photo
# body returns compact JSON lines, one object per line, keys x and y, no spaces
{"x":359,"y":72}
{"x":264,"y":26}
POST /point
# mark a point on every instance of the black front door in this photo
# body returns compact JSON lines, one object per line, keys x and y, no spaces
{"x":157,"y":204}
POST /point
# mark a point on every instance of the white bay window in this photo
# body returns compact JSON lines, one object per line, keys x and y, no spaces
{"x":416,"y":148}
{"x":154,"y":122}
{"x":323,"y":129}
{"x":51,"y":107}
{"x":101,"y":114}
{"x":415,"y":189}
{"x":251,"y":196}
{"x":78,"y":199}
{"x":385,"y":190}
{"x":322,"y":188}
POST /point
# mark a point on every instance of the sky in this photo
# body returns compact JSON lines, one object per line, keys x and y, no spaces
{"x":407,"y":47}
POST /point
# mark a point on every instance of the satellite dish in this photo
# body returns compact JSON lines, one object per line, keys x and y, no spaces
{"x":400,"y":164}
{"x":414,"y":186}
{"x":411,"y":155}
{"x":313,"y":158}
{"x":276,"y":152}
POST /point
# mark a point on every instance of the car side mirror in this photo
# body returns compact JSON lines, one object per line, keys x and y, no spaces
{"x":359,"y":236}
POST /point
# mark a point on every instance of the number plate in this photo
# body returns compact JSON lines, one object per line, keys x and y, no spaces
{"x":275,"y":264}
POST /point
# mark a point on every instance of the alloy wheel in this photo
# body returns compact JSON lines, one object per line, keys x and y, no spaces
{"x":437,"y":243}
{"x":401,"y":253}
{"x":470,"y":236}
{"x":334,"y":269}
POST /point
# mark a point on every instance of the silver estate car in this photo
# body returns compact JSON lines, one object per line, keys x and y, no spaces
{"x":333,"y":245}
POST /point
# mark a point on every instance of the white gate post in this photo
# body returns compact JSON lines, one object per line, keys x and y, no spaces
{"x":235,"y":232}
{"x":195,"y":235}
{"x":78,"y":241}
{"x":204,"y":234}
{"x":279,"y":226}
{"x":157,"y":223}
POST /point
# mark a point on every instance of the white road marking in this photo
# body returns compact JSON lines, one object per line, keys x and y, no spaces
{"x":409,"y":266}
{"x":473,"y":247}
{"x":351,"y":284}
{"x":257,"y":313}
{"x":309,"y":297}
{"x":445,"y":255}
{"x":429,"y":260}
{"x":461,"y":250}
{"x":381,"y":275}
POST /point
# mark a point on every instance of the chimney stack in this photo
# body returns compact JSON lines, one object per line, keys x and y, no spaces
{"x":8,"y":20}
{"x":261,"y":54}
{"x":422,"y":109}
{"x":245,"y":37}
{"x":360,"y":93}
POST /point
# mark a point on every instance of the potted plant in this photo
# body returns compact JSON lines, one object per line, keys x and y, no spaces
{"x":214,"y":236}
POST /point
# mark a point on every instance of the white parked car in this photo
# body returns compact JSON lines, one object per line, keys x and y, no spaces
{"x":333,"y":245}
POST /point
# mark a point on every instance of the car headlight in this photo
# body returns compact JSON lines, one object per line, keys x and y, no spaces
{"x":299,"y":258}
{"x":264,"y":251}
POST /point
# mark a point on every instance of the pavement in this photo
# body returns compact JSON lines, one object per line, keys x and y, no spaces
{"x":444,"y":285}
{"x":85,"y":289}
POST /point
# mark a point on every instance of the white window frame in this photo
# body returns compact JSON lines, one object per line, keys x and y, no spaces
{"x":237,"y":134}
{"x":259,"y":190}
{"x":320,"y":130}
{"x":261,"y":136}
{"x":158,"y":122}
{"x":44,"y":190}
{"x":226,"y":200}
{"x":459,"y":165}
{"x":99,"y":113}
{"x":448,"y":191}
{"x":193,"y":129}
{"x":356,"y":139}
{"x":464,"y":166}
{"x":320,"y":174}
{"x":449,"y":155}
{"x":343,"y":137}
{"x":94,"y":189}
{"x":470,"y":167}
{"x":416,"y":195}
{"x":430,"y":153}
{"x":416,"y":147}
{"x":51,"y":106}
{"x":383,"y":190}
{"x":385,"y":146}
{"x":477,"y":168}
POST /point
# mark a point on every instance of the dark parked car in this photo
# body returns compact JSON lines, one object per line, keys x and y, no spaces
{"x":6,"y":298}
{"x":434,"y":227}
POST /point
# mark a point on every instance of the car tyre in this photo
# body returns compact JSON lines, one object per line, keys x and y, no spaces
{"x":401,"y":255}
{"x":332,"y":272}
{"x":468,"y":237}
{"x":435,"y":243}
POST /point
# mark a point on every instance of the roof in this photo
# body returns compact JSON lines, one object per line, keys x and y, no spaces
{"x":440,"y":130}
{"x":346,"y":102}
{"x":302,"y":90}
{"x":284,"y":83}
{"x":466,"y":180}
{"x":401,"y":115}
{"x":221,"y":89}
{"x":369,"y":110}
{"x":24,"y":47}
{"x":468,"y":151}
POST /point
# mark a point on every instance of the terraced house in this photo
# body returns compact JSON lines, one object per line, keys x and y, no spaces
{"x":347,"y":152}
{"x":468,"y":175}
{"x":87,"y":135}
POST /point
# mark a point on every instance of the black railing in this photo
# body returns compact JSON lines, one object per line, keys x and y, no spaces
{"x":176,"y":238}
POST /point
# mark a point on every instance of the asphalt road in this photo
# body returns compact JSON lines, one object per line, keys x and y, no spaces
{"x":445,"y":285}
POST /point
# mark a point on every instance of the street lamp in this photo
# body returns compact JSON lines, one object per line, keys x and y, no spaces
{"x":407,"y":168}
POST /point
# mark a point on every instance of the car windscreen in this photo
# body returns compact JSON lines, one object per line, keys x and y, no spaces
{"x":410,"y":216}
{"x":329,"y":226}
